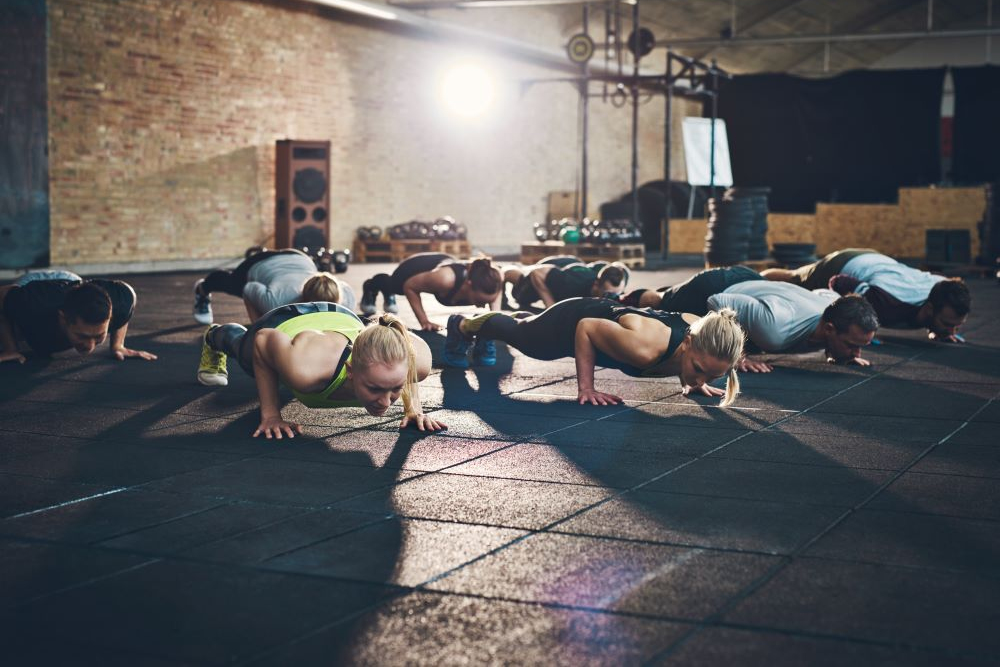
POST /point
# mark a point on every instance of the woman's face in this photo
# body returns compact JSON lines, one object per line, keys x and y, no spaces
{"x":378,"y":386}
{"x":698,"y":368}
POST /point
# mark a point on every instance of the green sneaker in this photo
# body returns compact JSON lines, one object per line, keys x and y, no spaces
{"x":212,"y":367}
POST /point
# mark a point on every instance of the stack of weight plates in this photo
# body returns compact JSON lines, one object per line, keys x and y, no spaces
{"x":794,"y":255}
{"x":757,"y":246}
{"x":729,"y":224}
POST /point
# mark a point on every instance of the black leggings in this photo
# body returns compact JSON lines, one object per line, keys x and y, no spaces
{"x":691,"y":296}
{"x":233,"y":281}
{"x":236,"y":340}
{"x":409,"y":267}
{"x":549,"y":335}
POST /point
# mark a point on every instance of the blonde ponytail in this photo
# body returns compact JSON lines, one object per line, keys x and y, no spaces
{"x":719,"y":335}
{"x":389,"y":343}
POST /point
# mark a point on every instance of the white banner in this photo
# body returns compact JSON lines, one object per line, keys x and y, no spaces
{"x":697,"y":148}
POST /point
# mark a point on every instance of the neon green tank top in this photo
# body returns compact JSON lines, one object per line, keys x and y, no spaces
{"x":349,"y":325}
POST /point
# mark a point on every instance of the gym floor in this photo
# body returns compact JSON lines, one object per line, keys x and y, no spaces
{"x":837,"y":515}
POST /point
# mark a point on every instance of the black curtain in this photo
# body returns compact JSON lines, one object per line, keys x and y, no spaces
{"x":854,"y":138}
{"x":976,"y":148}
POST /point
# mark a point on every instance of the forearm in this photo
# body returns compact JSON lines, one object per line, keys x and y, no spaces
{"x":267,"y":387}
{"x":8,"y":343}
{"x":413,"y":297}
{"x":586,"y":358}
{"x":117,"y":338}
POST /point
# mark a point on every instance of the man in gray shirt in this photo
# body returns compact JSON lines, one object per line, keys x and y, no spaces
{"x":780,"y":317}
{"x":268,"y":279}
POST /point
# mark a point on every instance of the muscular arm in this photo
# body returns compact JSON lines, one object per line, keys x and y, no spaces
{"x":276,"y":357}
{"x":537,"y":278}
{"x":438,"y":281}
{"x":628,"y":342}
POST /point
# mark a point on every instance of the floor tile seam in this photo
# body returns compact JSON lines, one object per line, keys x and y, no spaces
{"x":559,"y":606}
{"x":276,"y":650}
{"x":917,"y":569}
{"x":83,"y":584}
{"x":328,"y":538}
{"x":933,"y":473}
{"x":936,"y":515}
{"x":897,"y":475}
{"x":777,"y":567}
{"x":841,"y":638}
{"x":803,"y":547}
{"x":66,"y":503}
{"x":833,"y":466}
{"x":595,"y":536}
{"x":445,"y":471}
{"x":791,"y":503}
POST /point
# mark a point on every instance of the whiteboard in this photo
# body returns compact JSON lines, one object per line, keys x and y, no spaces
{"x":697,"y":148}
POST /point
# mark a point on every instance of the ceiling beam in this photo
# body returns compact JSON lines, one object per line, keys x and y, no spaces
{"x":833,"y":37}
{"x":858,"y":23}
{"x":753,"y":18}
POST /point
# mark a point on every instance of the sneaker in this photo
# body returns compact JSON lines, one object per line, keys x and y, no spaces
{"x":212,"y":367}
{"x":389,"y":303}
{"x":484,"y":353}
{"x":202,"y":305}
{"x":367,"y":302}
{"x":456,"y":347}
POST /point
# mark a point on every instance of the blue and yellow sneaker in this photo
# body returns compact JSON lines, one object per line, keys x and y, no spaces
{"x":456,"y":347}
{"x":212,"y":367}
{"x":484,"y":353}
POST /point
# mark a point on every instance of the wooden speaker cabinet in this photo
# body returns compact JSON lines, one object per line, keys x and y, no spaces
{"x":302,"y":194}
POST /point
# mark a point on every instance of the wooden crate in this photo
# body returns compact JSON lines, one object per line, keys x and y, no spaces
{"x":877,"y":226}
{"x":688,"y":236}
{"x":791,"y":228}
{"x":388,"y":250}
{"x":562,"y":204}
{"x":533,"y":252}
{"x":457,"y":248}
{"x":632,"y":255}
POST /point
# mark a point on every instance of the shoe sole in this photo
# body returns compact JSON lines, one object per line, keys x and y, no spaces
{"x":213,"y":380}
{"x":203,"y":319}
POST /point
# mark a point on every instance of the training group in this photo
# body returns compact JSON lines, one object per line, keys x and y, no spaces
{"x":309,"y":332}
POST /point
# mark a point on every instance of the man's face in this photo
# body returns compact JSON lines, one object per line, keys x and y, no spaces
{"x":84,"y":337}
{"x":846,"y":345}
{"x":604,"y":288}
{"x":945,"y":322}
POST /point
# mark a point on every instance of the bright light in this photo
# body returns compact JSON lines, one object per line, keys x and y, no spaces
{"x":467,"y":90}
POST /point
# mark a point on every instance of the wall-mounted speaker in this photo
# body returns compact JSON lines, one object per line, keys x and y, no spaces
{"x":302,"y":194}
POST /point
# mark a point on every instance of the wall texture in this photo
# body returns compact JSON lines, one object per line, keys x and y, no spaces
{"x":163,"y":118}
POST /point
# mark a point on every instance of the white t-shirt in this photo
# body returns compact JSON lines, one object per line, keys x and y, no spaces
{"x":777,"y":316}
{"x":905,"y":283}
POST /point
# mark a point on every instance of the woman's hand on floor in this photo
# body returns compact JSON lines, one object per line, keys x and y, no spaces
{"x":595,"y":397}
{"x":705,"y":389}
{"x":276,"y":427}
{"x":422,"y":422}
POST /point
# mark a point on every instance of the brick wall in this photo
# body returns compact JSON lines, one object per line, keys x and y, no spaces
{"x":163,"y":118}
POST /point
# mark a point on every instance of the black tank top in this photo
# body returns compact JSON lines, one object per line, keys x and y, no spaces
{"x":678,"y":329}
{"x":460,"y":270}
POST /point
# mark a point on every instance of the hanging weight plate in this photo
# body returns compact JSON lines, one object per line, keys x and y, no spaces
{"x":642,"y":44}
{"x":580,"y":48}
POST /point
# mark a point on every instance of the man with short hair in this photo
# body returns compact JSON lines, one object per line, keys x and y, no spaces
{"x":779,"y":317}
{"x":557,"y":281}
{"x":55,"y":315}
{"x":903,"y":297}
